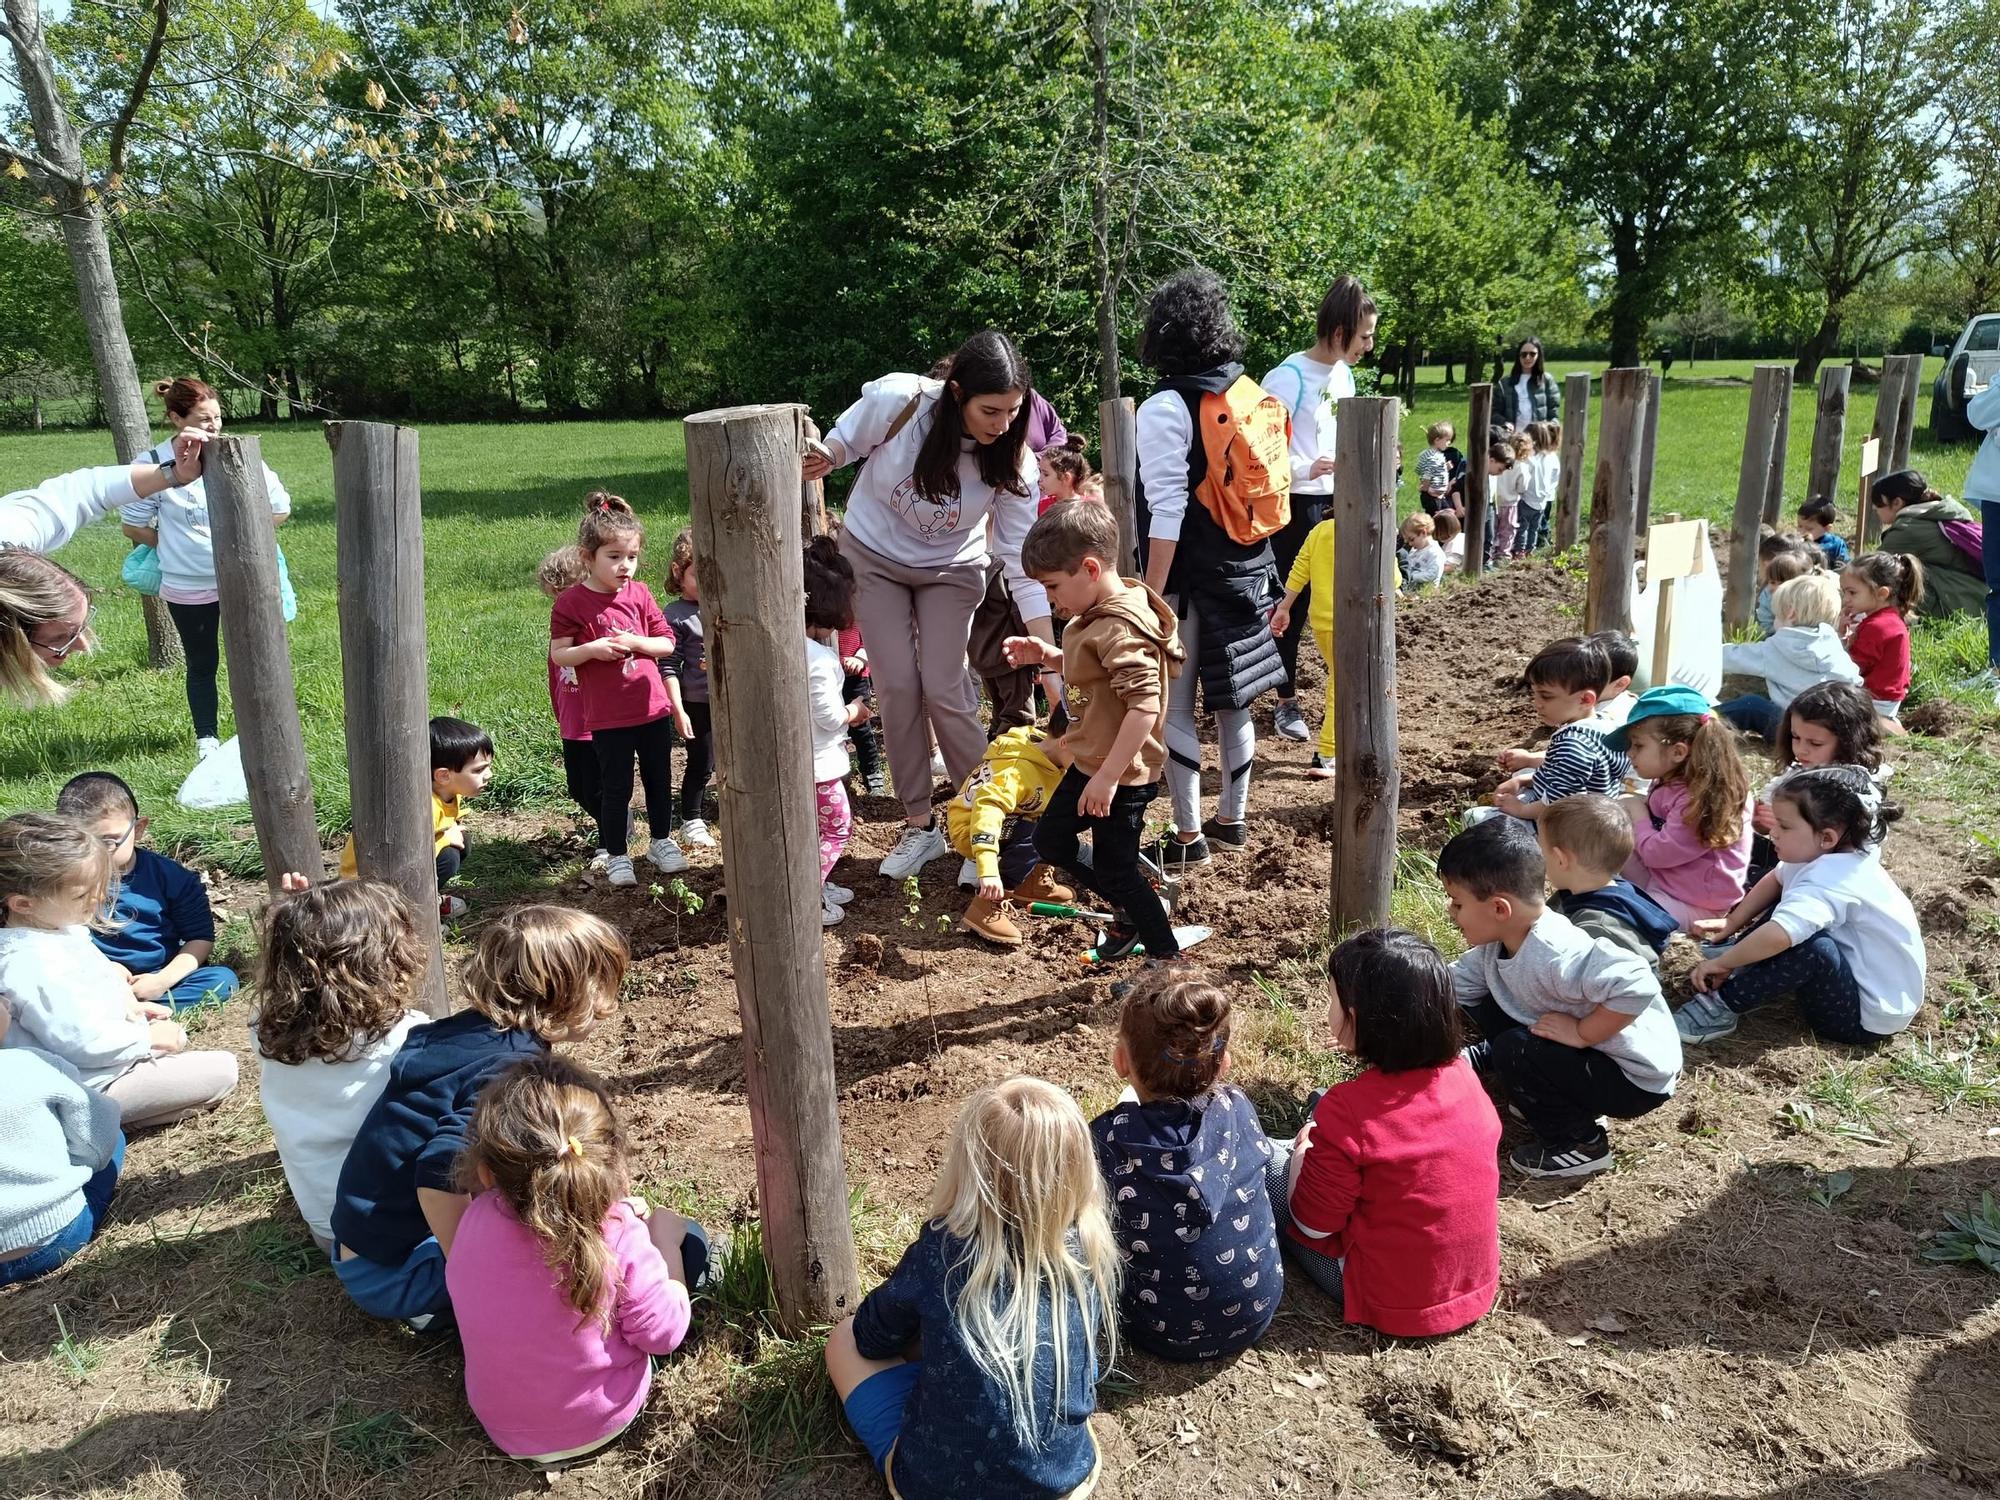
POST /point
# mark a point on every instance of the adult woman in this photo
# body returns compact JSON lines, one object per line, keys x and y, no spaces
{"x":175,"y":520}
{"x":937,"y":456}
{"x":1527,"y":395}
{"x":44,"y":608}
{"x":1982,"y":488}
{"x":1913,"y":517}
{"x":1222,"y":590}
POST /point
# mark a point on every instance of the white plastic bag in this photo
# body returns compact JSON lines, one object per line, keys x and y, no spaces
{"x":218,"y":780}
{"x":1696,"y":640}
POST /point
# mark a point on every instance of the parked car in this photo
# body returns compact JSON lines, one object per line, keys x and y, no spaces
{"x":1973,"y":360}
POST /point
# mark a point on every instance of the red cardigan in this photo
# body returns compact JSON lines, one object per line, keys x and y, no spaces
{"x":1880,"y":647}
{"x":1401,"y":1175}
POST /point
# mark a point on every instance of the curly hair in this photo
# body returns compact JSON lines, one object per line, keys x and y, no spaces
{"x":551,"y":971}
{"x":1189,"y":327}
{"x":679,"y":559}
{"x":340,"y":964}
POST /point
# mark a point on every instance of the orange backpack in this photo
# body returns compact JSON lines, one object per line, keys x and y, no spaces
{"x":1246,"y":435}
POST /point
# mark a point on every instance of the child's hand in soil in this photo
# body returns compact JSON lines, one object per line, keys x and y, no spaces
{"x":990,"y":889}
{"x":1554,"y":1026}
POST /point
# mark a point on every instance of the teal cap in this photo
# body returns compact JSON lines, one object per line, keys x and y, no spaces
{"x":1655,"y":703}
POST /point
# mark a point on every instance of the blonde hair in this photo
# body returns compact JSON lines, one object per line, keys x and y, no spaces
{"x":606,"y":517}
{"x":1020,"y":1189}
{"x":340,"y":963}
{"x":1416,"y":523}
{"x":1592,"y":830}
{"x":561,"y":569}
{"x":34,"y":591}
{"x":1440,"y":430}
{"x":549,"y":1139}
{"x":45,"y":854}
{"x":1810,"y":599}
{"x":1523,"y":445}
{"x":552,"y":971}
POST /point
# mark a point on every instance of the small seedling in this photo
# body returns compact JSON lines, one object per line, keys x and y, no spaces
{"x":1972,"y":1238}
{"x":1830,"y":1188}
{"x":78,"y":1359}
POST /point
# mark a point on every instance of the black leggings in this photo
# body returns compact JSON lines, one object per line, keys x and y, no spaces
{"x":1307,"y":512}
{"x":652,"y":745}
{"x":200,"y":629}
{"x":700,"y":753}
{"x":586,"y":782}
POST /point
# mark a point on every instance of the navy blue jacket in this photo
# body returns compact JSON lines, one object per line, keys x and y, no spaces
{"x":1189,"y":1206}
{"x":413,"y":1135}
{"x":1627,"y":905}
{"x":162,"y":907}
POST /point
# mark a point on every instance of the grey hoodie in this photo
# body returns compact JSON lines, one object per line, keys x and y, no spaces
{"x":1795,"y":658}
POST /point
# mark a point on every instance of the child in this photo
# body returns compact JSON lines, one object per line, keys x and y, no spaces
{"x":1574,"y":1026}
{"x":864,"y":738}
{"x":1119,"y":652}
{"x":461,"y":767}
{"x":1450,"y":535}
{"x":1010,"y":1293}
{"x":1831,"y":724}
{"x":1505,"y":482}
{"x":1418,"y":555}
{"x":1878,"y":591}
{"x":829,"y":610}
{"x":1434,"y":469}
{"x":1621,"y":652}
{"x":1548,"y":465}
{"x":340,"y":966}
{"x":1538,"y":488}
{"x":60,"y":1155}
{"x":1184,"y":1160}
{"x":162,"y":931}
{"x":1585,"y":842}
{"x":1817,"y":518}
{"x":1566,"y":678}
{"x":1804,"y":649}
{"x":609,"y":628}
{"x":1066,"y":474}
{"x":1313,"y":569}
{"x":1841,"y":935}
{"x":539,"y":975}
{"x":1390,"y":1195}
{"x":687,"y":664}
{"x":563,"y":569}
{"x":565,"y":1285}
{"x":1691,"y":831}
{"x":68,"y":999}
{"x":1780,"y":559}
{"x":991,"y":823}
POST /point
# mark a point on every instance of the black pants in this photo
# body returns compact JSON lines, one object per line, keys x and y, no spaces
{"x":1018,"y":854}
{"x":585,"y":781}
{"x":200,"y":629}
{"x":1307,"y":512}
{"x":652,"y":746}
{"x":700,"y":760}
{"x":1559,"y":1090}
{"x":1113,"y":871}
{"x":865,"y":738}
{"x":450,"y":859}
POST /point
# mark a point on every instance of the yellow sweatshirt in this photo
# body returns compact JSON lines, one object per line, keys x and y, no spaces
{"x":1313,"y":568}
{"x":444,"y":818}
{"x":1014,"y":779}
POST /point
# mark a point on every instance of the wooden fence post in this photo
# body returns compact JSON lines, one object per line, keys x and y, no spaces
{"x":1614,"y":499}
{"x":812,"y":492}
{"x":1774,"y":480}
{"x":1649,"y":442}
{"x":1478,"y":423}
{"x":1364,"y":631}
{"x":1118,"y":444}
{"x":1569,"y":482}
{"x":1906,"y":410}
{"x":1768,"y":390}
{"x":1829,"y":432}
{"x":378,"y":530}
{"x":743,"y":481}
{"x":261,"y":690}
{"x":1888,"y":417}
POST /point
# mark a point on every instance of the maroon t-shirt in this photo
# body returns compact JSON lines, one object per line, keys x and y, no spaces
{"x":616,"y":694}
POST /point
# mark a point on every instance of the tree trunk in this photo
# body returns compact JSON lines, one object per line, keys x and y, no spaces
{"x":1819,"y":348}
{"x":1100,"y":205}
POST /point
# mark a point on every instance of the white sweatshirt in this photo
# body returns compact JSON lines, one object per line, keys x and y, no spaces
{"x":180,"y":514}
{"x":890,"y":518}
{"x":1851,"y":898}
{"x":824,"y":676}
{"x":1311,"y":392}
{"x":1166,"y":433}
{"x":1795,"y":658}
{"x":43,"y":518}
{"x":66,"y":998}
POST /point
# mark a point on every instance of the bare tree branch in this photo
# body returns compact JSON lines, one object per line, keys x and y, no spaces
{"x":136,"y":96}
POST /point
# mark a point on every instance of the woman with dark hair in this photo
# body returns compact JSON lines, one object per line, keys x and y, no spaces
{"x":1529,"y":394}
{"x":1221,"y":590}
{"x":937,"y":456}
{"x":1917,"y":521}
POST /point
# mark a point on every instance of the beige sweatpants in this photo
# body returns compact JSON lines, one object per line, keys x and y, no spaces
{"x":171,"y":1087}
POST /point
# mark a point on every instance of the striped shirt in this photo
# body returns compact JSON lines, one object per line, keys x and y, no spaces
{"x":1578,"y":761}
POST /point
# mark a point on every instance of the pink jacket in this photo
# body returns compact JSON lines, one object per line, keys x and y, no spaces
{"x":1673,"y":860}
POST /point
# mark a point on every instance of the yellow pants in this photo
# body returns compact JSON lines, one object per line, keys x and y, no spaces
{"x":1324,"y":640}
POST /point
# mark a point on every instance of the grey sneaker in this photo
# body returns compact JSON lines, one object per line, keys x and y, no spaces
{"x":916,"y":848}
{"x":1704,"y":1019}
{"x":620,"y":872}
{"x":666,"y":856}
{"x":1288,"y":721}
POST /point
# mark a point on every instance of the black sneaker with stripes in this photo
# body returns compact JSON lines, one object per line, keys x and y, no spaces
{"x":1580,"y":1160}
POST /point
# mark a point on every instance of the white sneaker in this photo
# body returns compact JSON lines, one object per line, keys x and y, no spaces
{"x":839,"y":895}
{"x":915,"y":849}
{"x":695,"y":834}
{"x":968,"y":876}
{"x":450,"y":907}
{"x":619,"y":871}
{"x":830,"y":915}
{"x":206,"y":746}
{"x":667,"y":857}
{"x":600,"y":859}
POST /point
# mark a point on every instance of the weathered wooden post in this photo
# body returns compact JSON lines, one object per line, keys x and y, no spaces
{"x":1576,"y":434}
{"x":1888,"y":418}
{"x":1614,"y":499}
{"x":1118,"y":422}
{"x":1478,"y":427}
{"x":1768,"y":390}
{"x":1906,"y":410}
{"x":1649,"y":443}
{"x":1774,"y":480}
{"x":743,"y":480}
{"x":812,"y":492}
{"x":261,"y":690}
{"x":1365,"y":779}
{"x":378,"y":530}
{"x":1829,"y":432}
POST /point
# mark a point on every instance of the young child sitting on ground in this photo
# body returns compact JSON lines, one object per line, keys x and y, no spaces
{"x":1585,"y":842}
{"x":1780,"y":558}
{"x":563,"y":569}
{"x":1313,"y":569}
{"x":1573,"y":1026}
{"x":1614,"y":704}
{"x":1817,"y":518}
{"x":60,"y":1155}
{"x":161,"y":931}
{"x":69,"y":1000}
{"x":1840,"y":935}
{"x":1450,"y":535}
{"x":1389,"y":1196}
{"x":1011,"y":1295}
{"x":1833,"y":724}
{"x":991,"y":823}
{"x":1418,"y":556}
{"x":338,"y":976}
{"x":1119,"y":651}
{"x":461,"y":767}
{"x":1184,"y":1159}
{"x":539,"y":975}
{"x":1566,"y":678}
{"x":1691,"y":831}
{"x":558,"y":1365}
{"x":1804,"y":649}
{"x":1878,"y":591}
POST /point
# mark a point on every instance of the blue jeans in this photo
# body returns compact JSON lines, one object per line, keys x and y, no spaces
{"x":1753,"y":712}
{"x":212,"y":982}
{"x":1534,"y":529}
{"x":79,"y":1232}
{"x":1989,"y":510}
{"x":410,"y":1290}
{"x":1816,"y":972}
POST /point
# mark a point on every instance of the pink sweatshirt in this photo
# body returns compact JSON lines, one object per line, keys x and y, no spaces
{"x":540,"y":1379}
{"x":1676,"y":864}
{"x":566,"y":698}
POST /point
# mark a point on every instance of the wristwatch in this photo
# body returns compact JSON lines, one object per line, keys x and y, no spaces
{"x":167,"y":473}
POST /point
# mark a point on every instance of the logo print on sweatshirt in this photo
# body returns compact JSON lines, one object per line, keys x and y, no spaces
{"x":932,"y":518}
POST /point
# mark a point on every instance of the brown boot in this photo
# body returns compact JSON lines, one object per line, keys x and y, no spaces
{"x":1041,"y":885}
{"x":989,"y":920}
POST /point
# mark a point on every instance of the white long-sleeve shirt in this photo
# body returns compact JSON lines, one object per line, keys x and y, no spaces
{"x":1311,"y":392}
{"x":41,"y":519}
{"x":824,"y":676}
{"x":887,"y":514}
{"x":1850,"y":897}
{"x":1983,"y":411}
{"x":1165,"y":434}
{"x":66,"y":998}
{"x":180,"y":514}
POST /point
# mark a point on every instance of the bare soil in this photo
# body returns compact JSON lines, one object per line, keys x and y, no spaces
{"x":1716,"y":1317}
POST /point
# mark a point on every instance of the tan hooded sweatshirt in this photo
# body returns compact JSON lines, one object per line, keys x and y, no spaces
{"x":1118,"y":656}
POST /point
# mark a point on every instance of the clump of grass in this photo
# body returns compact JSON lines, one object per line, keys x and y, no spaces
{"x":1950,"y":1078}
{"x":76,"y":1358}
{"x":377,"y":1441}
{"x":1943,"y":654}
